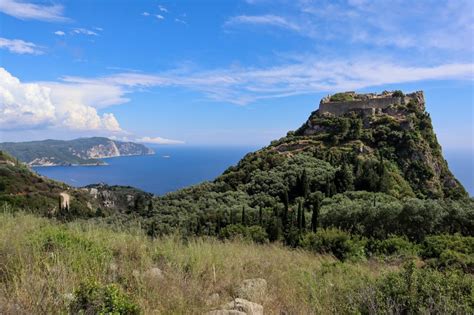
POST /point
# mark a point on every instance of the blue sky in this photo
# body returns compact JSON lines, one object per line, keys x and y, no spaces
{"x":224,"y":72}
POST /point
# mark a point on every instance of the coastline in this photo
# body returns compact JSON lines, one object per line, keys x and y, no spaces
{"x":99,"y":163}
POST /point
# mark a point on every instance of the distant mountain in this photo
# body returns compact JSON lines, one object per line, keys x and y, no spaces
{"x":82,"y":151}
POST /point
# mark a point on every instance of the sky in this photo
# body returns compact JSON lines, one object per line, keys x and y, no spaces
{"x":202,"y":72}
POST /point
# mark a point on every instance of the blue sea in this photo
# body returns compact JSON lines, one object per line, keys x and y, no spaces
{"x":169,"y":169}
{"x":175,"y":167}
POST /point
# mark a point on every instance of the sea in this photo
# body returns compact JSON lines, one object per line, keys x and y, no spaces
{"x":175,"y":167}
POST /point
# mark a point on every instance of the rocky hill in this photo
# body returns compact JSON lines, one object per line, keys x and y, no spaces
{"x":82,"y":151}
{"x":361,"y":153}
{"x":22,"y":188}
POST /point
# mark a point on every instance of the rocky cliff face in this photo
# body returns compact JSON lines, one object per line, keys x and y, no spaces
{"x":401,"y":134}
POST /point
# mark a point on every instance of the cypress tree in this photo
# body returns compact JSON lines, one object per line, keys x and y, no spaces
{"x":315,"y":214}
{"x":260,"y":216}
{"x":298,"y":218}
{"x":304,"y":184}
{"x":243,"y":216}
{"x":303,"y":218}
{"x":286,"y":210}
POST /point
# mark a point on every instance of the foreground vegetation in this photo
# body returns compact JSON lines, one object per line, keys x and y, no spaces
{"x":52,"y":267}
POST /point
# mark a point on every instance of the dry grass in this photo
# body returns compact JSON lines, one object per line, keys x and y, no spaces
{"x":42,"y":262}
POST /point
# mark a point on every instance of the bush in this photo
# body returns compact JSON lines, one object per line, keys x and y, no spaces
{"x":394,"y":245}
{"x":92,"y":298}
{"x":341,"y":97}
{"x":423,"y":291}
{"x":398,"y":93}
{"x":449,"y":251}
{"x":253,"y":233}
{"x":336,"y":242}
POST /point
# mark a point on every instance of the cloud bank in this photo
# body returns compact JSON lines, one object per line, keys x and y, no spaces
{"x":37,"y":105}
{"x":302,"y":75}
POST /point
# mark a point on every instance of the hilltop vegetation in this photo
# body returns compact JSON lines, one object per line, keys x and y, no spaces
{"x":81,"y":151}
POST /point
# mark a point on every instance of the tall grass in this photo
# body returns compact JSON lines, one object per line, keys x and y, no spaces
{"x":43,"y":262}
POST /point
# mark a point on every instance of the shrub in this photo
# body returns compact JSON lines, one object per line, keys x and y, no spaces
{"x":92,"y":298}
{"x":340,"y":97}
{"x":394,"y":245}
{"x":253,"y":233}
{"x":398,"y":93}
{"x":336,"y":242}
{"x":449,"y":251}
{"x":423,"y":291}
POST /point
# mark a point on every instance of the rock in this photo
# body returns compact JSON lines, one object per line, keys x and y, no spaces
{"x":252,"y":289}
{"x":239,"y":307}
{"x":245,"y":306}
{"x":225,"y":312}
{"x":213,"y":299}
{"x":154,"y":274}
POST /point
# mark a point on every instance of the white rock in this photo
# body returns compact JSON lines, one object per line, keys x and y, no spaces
{"x":245,"y":306}
{"x":226,"y":312}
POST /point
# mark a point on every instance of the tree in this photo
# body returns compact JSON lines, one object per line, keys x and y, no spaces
{"x":274,"y":230}
{"x":286,"y":208}
{"x":304,"y":184}
{"x":344,"y":178}
{"x":300,"y":215}
{"x":260,"y":216}
{"x":316,"y":201}
{"x":244,"y":219}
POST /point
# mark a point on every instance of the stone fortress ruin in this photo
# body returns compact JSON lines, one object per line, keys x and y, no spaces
{"x":367,"y":104}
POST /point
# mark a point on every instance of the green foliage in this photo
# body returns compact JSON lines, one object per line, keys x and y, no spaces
{"x":398,"y":93}
{"x":335,"y":242}
{"x":93,"y":298}
{"x":393,"y":245}
{"x":379,"y":215}
{"x":421,"y":291}
{"x":252,"y":233}
{"x":341,"y":97}
{"x":449,"y":251}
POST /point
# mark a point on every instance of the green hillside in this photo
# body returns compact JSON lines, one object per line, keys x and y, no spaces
{"x":80,"y":151}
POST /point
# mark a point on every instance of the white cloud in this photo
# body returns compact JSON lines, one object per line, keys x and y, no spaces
{"x":59,"y":33}
{"x":270,"y":20}
{"x":303,"y":75}
{"x":146,"y":14}
{"x":39,"y":105}
{"x":19,"y":46}
{"x":401,"y":24}
{"x":162,"y":8}
{"x":158,"y":140}
{"x":180,"y":21}
{"x":84,"y":31}
{"x":30,"y":11}
{"x":159,"y":16}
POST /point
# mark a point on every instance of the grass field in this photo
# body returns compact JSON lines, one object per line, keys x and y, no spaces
{"x":44,"y":264}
